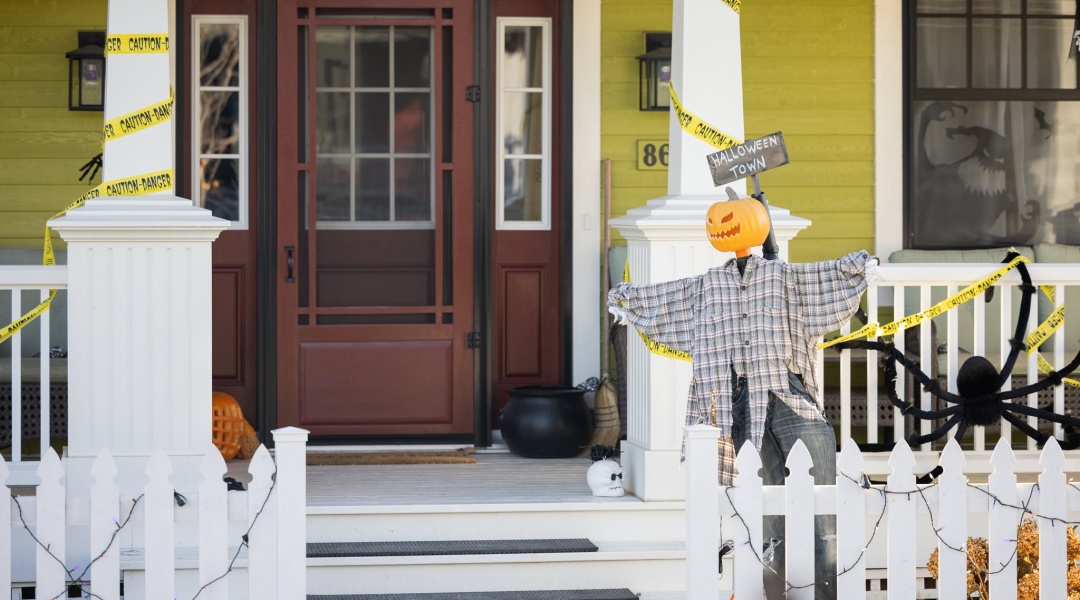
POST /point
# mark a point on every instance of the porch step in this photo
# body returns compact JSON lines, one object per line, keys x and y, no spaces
{"x":639,"y":566}
{"x":602,"y":594}
{"x":447,"y":547}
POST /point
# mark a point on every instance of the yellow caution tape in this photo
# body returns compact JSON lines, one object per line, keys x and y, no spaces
{"x":698,"y":128}
{"x":965,"y":295}
{"x":736,"y":5}
{"x":137,"y":43}
{"x":137,"y":185}
{"x":135,"y":121}
{"x":654,"y":346}
{"x":1046,"y":369}
{"x":1046,"y":329}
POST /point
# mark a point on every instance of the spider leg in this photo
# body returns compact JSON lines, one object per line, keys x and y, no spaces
{"x":1043,"y":413}
{"x":1017,"y":340}
{"x":1052,"y":379}
{"x":918,"y":440}
{"x":961,"y":429}
{"x":1017,"y":422}
{"x":892,"y":356}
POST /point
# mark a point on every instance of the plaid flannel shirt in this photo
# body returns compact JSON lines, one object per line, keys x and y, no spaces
{"x":763,"y":323}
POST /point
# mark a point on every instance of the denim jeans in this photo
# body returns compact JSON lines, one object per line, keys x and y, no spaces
{"x":782,"y":428}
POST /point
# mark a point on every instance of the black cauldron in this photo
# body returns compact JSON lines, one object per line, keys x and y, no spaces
{"x":546,"y":421}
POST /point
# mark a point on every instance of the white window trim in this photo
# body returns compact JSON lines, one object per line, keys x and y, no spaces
{"x":544,"y":224}
{"x":242,"y":223}
{"x":888,"y":127}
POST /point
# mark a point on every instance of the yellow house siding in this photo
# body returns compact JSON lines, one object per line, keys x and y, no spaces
{"x":42,"y":143}
{"x":807,"y":71}
{"x":623,"y":25}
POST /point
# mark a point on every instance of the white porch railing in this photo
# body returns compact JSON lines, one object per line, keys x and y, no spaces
{"x":895,"y":525}
{"x":973,"y":329}
{"x":22,"y":288}
{"x":256,"y":538}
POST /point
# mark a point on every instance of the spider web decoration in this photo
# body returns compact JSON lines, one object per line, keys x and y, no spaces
{"x":980,"y":400}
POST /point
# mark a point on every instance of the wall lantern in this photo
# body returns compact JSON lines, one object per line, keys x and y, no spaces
{"x":86,"y":72}
{"x":655,"y":72}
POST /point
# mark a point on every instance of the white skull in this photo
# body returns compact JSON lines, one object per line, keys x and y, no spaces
{"x":605,"y":478}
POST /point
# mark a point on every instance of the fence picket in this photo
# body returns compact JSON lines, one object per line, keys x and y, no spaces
{"x":213,"y":527}
{"x":703,"y":522}
{"x":262,"y":547}
{"x":159,"y":528}
{"x":104,"y":520}
{"x":1003,"y":521}
{"x":850,"y":533}
{"x":50,"y":526}
{"x":1052,"y":489}
{"x":747,"y":504}
{"x":951,"y":522}
{"x":901,"y":516}
{"x":799,"y":524}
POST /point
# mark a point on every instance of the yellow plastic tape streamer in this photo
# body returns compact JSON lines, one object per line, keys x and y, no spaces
{"x":698,"y":128}
{"x":736,"y":5}
{"x":654,"y":346}
{"x":136,"y":185}
{"x":1046,"y":369}
{"x":964,"y":295}
{"x":137,"y":43}
{"x":155,"y":114}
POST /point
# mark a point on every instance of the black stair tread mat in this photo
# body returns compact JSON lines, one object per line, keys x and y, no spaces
{"x":445,"y":547}
{"x":603,"y":594}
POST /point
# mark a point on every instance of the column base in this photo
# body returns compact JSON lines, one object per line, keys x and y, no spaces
{"x":653,"y":475}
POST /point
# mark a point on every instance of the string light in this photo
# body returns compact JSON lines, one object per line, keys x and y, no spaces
{"x":74,"y":580}
{"x":864,"y":483}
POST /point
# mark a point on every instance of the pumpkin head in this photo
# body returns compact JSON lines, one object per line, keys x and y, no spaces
{"x":737,"y":225}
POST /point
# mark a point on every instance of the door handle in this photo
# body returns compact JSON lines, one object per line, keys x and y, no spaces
{"x":289,"y":264}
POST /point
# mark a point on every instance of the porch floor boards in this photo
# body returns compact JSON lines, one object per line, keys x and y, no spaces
{"x":497,"y":477}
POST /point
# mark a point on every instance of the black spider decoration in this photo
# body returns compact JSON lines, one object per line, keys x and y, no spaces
{"x":980,"y":400}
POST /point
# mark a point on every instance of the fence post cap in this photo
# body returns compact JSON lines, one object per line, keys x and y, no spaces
{"x":290,"y":434}
{"x":702,"y":431}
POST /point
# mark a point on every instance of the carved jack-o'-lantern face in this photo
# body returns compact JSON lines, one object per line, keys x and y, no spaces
{"x":737,"y":225}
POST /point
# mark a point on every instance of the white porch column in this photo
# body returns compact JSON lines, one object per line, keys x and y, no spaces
{"x":666,"y":237}
{"x":139,"y":367}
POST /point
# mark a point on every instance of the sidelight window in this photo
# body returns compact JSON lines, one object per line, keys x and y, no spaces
{"x":220,"y":116}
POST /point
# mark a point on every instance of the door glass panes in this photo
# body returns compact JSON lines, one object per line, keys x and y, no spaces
{"x":374,"y":122}
{"x":523,"y":123}
{"x":219,"y":115}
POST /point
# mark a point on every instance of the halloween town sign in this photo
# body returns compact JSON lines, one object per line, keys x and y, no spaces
{"x":748,"y":159}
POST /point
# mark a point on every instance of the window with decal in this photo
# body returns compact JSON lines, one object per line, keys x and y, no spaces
{"x":219,"y":116}
{"x":994,"y":124}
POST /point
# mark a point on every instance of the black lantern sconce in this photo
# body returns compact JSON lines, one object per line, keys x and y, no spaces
{"x":86,"y":72}
{"x":655,"y":72}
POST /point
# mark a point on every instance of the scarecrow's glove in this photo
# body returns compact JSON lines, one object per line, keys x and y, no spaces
{"x":872,"y":272}
{"x":620,"y":315}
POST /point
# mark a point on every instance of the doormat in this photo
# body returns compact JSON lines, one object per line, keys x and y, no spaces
{"x":389,"y":458}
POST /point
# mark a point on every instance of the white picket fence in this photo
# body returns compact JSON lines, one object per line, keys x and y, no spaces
{"x":899,"y":521}
{"x":148,"y":531}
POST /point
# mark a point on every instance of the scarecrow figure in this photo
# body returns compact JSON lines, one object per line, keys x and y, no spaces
{"x":751,"y":326}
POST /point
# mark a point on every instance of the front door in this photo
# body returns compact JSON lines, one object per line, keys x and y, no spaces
{"x":375,"y":218}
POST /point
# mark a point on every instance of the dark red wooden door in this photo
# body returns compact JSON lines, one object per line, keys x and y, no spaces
{"x":375,"y":217}
{"x":526,"y":284}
